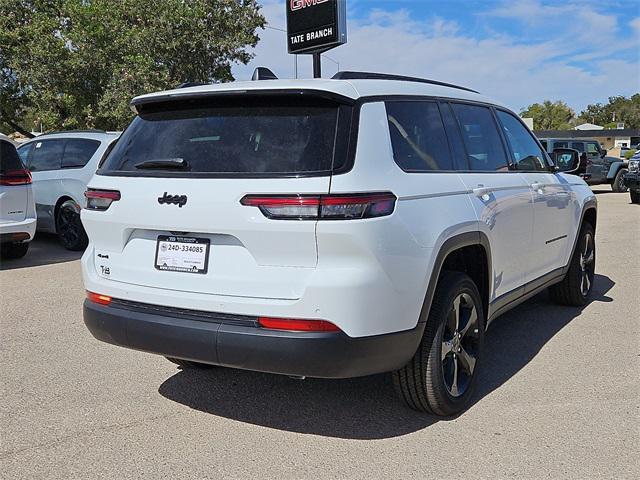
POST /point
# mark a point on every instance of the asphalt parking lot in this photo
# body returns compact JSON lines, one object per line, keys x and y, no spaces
{"x":558,"y":398}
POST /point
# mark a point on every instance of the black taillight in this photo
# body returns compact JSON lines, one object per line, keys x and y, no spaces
{"x":323,"y":207}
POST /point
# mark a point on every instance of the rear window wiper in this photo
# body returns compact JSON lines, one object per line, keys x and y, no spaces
{"x":164,"y":163}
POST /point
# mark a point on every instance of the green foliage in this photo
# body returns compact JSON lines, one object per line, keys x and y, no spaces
{"x":619,"y":109}
{"x":549,"y":115}
{"x":78,"y":63}
{"x":630,"y":154}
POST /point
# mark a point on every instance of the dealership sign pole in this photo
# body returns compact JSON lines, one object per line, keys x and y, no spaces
{"x":315,"y":26}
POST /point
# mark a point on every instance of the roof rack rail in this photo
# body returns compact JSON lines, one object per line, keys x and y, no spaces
{"x":385,"y":76}
{"x":80,"y":130}
{"x":189,"y":84}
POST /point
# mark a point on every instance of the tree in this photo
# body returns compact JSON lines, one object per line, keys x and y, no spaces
{"x":549,"y":115}
{"x":78,"y":63}
{"x":619,"y":109}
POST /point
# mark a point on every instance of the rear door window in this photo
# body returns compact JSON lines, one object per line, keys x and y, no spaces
{"x":257,"y":138}
{"x":481,"y":137}
{"x":417,"y":135}
{"x":579,"y":146}
{"x":78,"y":152}
{"x":526,"y":153}
{"x":47,"y":155}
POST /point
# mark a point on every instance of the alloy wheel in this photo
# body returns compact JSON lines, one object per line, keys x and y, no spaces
{"x":460,"y":345}
{"x":68,"y":226}
{"x":587,"y":264}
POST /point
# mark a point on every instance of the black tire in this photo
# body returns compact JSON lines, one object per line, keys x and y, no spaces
{"x":14,"y":250}
{"x":576,"y":287}
{"x":69,"y":227}
{"x":635,"y":196}
{"x":426,"y":382}
{"x":618,"y":184}
{"x":189,"y":363}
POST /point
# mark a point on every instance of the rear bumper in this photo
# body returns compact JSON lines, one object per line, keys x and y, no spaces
{"x":239,"y":343}
{"x":8,"y":231}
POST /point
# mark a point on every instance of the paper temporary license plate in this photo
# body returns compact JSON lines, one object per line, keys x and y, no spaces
{"x":182,"y":254}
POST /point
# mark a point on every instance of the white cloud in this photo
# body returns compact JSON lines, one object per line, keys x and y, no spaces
{"x":514,"y":70}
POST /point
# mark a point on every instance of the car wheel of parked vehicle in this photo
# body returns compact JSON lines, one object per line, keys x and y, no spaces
{"x":69,"y":228}
{"x":618,"y":184}
{"x":189,"y":363}
{"x":575,"y":289}
{"x":14,"y":250}
{"x":441,"y":376}
{"x":635,"y":196}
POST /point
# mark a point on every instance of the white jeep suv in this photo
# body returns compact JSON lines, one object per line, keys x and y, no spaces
{"x":330,"y":228}
{"x":61,"y":164}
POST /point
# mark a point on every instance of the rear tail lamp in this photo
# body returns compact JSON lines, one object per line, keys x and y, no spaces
{"x":323,"y":207}
{"x":297,"y":325}
{"x":98,"y":298}
{"x":101,"y":199}
{"x":21,"y":176}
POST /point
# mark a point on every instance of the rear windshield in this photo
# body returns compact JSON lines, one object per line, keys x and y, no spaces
{"x":229,"y":140}
{"x":9,"y":159}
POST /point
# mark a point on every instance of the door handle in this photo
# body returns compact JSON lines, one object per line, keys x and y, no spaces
{"x":538,"y":187}
{"x":482,"y":192}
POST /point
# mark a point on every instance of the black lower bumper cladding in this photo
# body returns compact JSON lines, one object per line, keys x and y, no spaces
{"x":238,"y":341}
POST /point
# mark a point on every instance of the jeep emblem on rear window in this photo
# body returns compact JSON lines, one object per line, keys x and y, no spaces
{"x":179,"y":200}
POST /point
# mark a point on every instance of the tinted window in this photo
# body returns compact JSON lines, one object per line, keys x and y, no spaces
{"x":579,"y":146}
{"x":23,"y":152}
{"x":592,"y":148}
{"x":9,"y":159}
{"x":46,"y":155}
{"x":560,"y":144}
{"x":417,"y":136}
{"x":254,"y":139}
{"x":527,"y":155}
{"x":544,"y":144}
{"x":456,"y":144}
{"x":77,"y":152}
{"x":481,"y":137}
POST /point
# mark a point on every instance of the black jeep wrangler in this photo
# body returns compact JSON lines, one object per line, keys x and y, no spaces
{"x":595,"y":166}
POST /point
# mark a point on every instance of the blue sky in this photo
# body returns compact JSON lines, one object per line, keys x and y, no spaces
{"x":518,"y":51}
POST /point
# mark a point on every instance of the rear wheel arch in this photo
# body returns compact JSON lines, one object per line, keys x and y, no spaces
{"x":468,"y":253}
{"x":59,"y":203}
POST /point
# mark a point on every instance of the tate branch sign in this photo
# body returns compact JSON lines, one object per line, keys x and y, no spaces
{"x":315,"y":25}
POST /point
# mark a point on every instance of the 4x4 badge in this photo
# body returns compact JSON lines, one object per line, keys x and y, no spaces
{"x":179,"y":200}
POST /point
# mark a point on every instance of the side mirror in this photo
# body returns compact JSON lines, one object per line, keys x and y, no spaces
{"x":603,"y":153}
{"x":566,"y":159}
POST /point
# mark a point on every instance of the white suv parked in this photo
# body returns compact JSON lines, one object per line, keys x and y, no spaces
{"x":330,"y":228}
{"x":61,"y":165}
{"x":17,"y":210}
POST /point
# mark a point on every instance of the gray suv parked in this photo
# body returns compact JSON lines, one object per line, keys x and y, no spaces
{"x":595,"y":166}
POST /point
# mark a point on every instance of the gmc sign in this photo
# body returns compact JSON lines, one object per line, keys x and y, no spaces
{"x":315,"y":25}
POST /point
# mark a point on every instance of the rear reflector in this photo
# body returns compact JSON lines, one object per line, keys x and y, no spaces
{"x":297,"y":325}
{"x":323,"y":207}
{"x":98,"y":298}
{"x":15,"y":177}
{"x":101,"y":199}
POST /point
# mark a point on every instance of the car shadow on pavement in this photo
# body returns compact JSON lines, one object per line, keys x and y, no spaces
{"x":366,"y":408}
{"x":45,"y":249}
